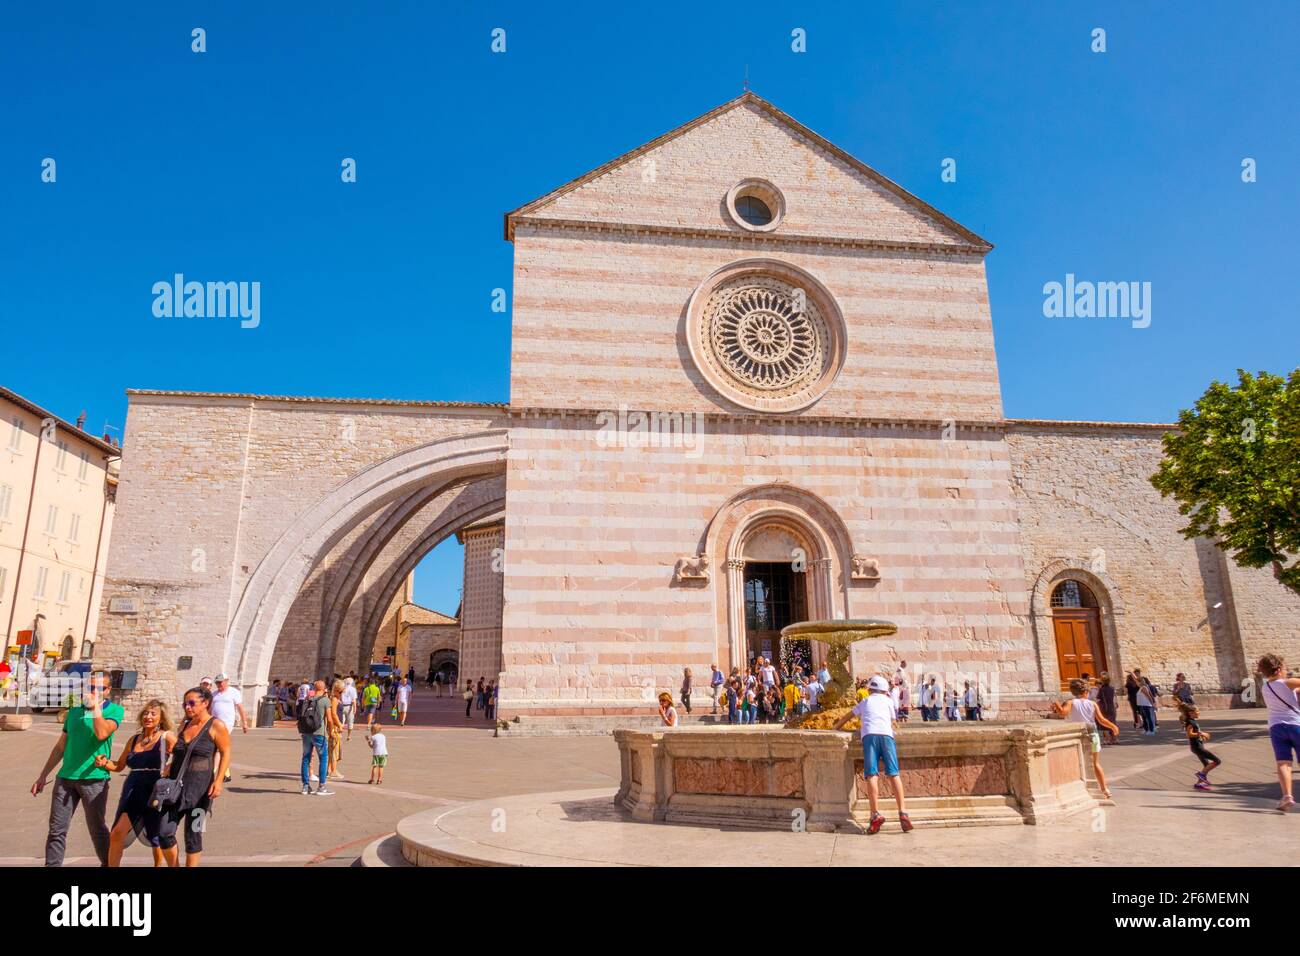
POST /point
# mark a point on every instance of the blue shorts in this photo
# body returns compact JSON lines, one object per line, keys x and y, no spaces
{"x":1286,"y":741}
{"x":875,"y":748}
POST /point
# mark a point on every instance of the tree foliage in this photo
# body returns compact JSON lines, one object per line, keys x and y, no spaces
{"x":1234,"y":468}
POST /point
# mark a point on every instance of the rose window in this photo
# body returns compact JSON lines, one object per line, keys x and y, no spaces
{"x":766,"y":335}
{"x":761,"y":337}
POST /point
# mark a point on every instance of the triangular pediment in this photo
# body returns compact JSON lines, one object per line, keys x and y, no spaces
{"x":680,"y":182}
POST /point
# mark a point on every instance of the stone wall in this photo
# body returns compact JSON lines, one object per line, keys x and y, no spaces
{"x":1086,"y":503}
{"x":427,"y":638}
{"x":209,"y":483}
{"x":482,"y":602}
{"x":594,"y":621}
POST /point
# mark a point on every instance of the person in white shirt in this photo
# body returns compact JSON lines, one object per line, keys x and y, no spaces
{"x":931,"y":700}
{"x":971,"y":701}
{"x":767,"y":673}
{"x":227,"y":701}
{"x":378,"y":752}
{"x":876,"y":715}
{"x":1081,"y":710}
{"x":348,"y":704}
{"x":403,"y":700}
{"x":1283,"y":705}
{"x":811,"y":691}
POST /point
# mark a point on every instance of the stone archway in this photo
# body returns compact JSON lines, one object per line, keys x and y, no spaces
{"x":747,"y":527}
{"x":271,"y":589}
{"x":441,"y":515}
{"x":1110,"y":610}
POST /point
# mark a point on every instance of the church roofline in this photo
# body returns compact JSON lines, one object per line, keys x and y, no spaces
{"x":248,"y":396}
{"x":978,"y":242}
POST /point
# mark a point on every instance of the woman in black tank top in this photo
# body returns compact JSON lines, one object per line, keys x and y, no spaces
{"x":202,"y":752}
{"x":144,"y":755}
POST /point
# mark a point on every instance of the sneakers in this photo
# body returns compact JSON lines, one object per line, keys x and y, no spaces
{"x":323,"y":792}
{"x":1201,"y":785}
{"x":1285,"y":804}
{"x":904,"y":822}
{"x":877,"y":822}
{"x":1201,"y":776}
{"x":305,"y":790}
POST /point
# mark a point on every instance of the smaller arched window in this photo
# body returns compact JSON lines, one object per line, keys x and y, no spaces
{"x":1072,"y":594}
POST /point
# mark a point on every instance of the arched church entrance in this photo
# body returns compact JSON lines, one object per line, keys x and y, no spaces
{"x":787,"y":555}
{"x":775,"y":582}
{"x":1076,"y":626}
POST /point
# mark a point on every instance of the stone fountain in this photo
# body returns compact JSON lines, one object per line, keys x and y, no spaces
{"x":839,"y":636}
{"x":955,"y":774}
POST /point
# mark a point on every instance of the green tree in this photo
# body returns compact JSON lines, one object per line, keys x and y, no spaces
{"x":1234,"y":468}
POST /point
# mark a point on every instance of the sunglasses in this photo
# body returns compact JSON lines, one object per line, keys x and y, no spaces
{"x":189,"y":703}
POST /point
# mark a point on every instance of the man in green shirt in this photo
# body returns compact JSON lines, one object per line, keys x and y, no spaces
{"x":370,"y":699}
{"x":87,"y":733}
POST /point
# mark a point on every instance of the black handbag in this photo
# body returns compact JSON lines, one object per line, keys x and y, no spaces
{"x":167,"y":791}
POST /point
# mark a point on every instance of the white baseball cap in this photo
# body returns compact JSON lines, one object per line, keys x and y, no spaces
{"x":206,"y":680}
{"x":221,"y":677}
{"x":878,"y":683}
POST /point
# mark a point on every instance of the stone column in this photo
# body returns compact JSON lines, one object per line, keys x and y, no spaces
{"x":735,"y":612}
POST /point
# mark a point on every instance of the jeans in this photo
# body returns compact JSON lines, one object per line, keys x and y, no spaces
{"x":686,"y":700}
{"x":731,"y":714}
{"x":746,"y":716}
{"x":63,"y":804}
{"x":1148,"y":718}
{"x":318,"y":743}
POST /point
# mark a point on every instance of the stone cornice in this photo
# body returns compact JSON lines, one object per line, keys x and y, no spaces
{"x":756,"y":418}
{"x":739,"y":238}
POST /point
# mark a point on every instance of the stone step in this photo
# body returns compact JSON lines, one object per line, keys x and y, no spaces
{"x":386,"y":851}
{"x":935,"y":812}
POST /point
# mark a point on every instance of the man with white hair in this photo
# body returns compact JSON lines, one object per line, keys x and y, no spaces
{"x":348,"y":704}
{"x":227,"y":701}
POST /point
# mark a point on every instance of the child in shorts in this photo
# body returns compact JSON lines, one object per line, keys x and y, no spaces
{"x":378,"y":752}
{"x":1196,"y":738}
{"x":1081,"y":710}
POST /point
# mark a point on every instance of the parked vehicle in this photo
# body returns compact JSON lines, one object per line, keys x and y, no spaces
{"x":61,"y":688}
{"x":380,"y":671}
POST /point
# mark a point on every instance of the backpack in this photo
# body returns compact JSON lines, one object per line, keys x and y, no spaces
{"x":309,"y":717}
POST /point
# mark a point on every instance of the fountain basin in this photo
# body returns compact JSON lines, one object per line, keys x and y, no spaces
{"x":959,"y":774}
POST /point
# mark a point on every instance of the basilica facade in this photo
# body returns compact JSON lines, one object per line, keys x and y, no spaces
{"x":752,"y":381}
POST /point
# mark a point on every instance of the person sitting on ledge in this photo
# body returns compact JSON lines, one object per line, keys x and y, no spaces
{"x":667,"y":712}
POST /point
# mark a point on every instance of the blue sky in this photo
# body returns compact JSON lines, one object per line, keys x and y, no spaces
{"x":1124,"y":165}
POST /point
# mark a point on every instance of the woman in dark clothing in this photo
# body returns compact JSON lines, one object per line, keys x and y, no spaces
{"x":1106,"y":704}
{"x":1131,"y":690}
{"x":204,"y":739}
{"x":144,"y":755}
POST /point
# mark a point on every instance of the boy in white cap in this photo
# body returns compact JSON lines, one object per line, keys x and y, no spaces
{"x":877,"y":714}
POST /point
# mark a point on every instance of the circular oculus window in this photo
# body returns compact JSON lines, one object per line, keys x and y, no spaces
{"x":755,"y":205}
{"x":766,"y":335}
